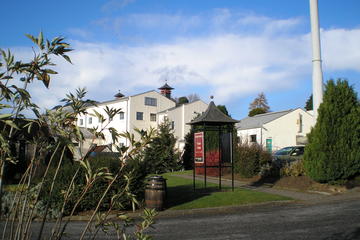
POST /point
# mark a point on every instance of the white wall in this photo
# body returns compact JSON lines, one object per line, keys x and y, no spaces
{"x":181,"y":116}
{"x":129,"y":105}
{"x":283,"y":131}
{"x":137,"y":104}
{"x":244,"y":135}
{"x":120,"y":125}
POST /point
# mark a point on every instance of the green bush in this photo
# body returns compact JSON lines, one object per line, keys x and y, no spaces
{"x":160,"y":155}
{"x":187,"y":158}
{"x":91,"y":198}
{"x":293,"y":169}
{"x":333,"y":152}
{"x":249,"y":158}
{"x":29,"y":195}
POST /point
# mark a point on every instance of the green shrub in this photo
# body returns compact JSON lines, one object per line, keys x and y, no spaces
{"x":38,"y":207}
{"x":187,"y":158}
{"x":333,"y":152}
{"x":160,"y":155}
{"x":91,"y":198}
{"x":293,"y":169}
{"x":269,"y":170}
{"x":249,"y":158}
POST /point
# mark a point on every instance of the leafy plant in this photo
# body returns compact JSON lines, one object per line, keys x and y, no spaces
{"x":249,"y":158}
{"x":256,"y":111}
{"x":53,"y":136}
{"x":293,"y":169}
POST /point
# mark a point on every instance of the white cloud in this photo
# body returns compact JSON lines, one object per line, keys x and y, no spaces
{"x":217,"y":21}
{"x":227,"y":65}
{"x":340,"y":49}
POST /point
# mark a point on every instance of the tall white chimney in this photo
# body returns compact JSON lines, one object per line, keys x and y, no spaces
{"x":317,"y":77}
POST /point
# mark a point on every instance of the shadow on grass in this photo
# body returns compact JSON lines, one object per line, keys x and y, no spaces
{"x":178,"y":195}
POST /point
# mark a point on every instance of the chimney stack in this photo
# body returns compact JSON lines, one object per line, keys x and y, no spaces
{"x":317,"y":76}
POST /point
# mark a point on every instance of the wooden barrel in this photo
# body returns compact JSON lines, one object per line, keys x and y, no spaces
{"x":155,"y":193}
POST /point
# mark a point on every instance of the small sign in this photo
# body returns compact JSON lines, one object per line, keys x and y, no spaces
{"x":199,"y":147}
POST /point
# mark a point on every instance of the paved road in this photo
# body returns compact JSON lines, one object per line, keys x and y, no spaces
{"x":331,"y":220}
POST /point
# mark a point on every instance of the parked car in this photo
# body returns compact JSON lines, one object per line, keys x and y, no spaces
{"x":288,"y":155}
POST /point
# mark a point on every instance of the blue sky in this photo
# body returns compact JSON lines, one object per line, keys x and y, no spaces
{"x":230,"y":49}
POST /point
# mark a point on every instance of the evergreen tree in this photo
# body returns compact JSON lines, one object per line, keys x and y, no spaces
{"x":333,"y":152}
{"x":256,"y":111}
{"x":188,"y":155}
{"x":223,"y":109}
{"x":182,"y":100}
{"x":160,"y":156}
{"x":309,"y":103}
{"x":259,"y":105}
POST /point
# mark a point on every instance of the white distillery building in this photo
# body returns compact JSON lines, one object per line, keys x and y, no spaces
{"x":141,"y":111}
{"x":137,"y":111}
{"x":276,"y":130}
{"x":179,"y":117}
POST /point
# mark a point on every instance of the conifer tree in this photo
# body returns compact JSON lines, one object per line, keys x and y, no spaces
{"x":188,"y":155}
{"x":223,"y":109}
{"x":333,"y":152}
{"x":309,"y":103}
{"x":160,"y":156}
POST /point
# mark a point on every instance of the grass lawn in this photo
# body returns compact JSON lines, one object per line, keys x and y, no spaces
{"x":180,"y":195}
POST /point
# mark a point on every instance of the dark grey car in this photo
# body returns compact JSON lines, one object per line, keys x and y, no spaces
{"x":288,"y":155}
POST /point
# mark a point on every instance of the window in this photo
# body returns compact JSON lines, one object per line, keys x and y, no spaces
{"x":81,"y":122}
{"x":298,"y":151}
{"x":122,"y":115}
{"x":90,"y":120}
{"x":253,"y":138}
{"x":150,"y":101}
{"x":139,"y":115}
{"x":153,"y":117}
{"x":172,"y":125}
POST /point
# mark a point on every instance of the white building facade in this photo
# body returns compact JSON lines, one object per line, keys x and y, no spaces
{"x":137,"y":111}
{"x":180,"y":116}
{"x":276,"y":130}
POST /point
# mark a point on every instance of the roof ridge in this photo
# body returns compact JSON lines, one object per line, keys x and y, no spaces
{"x":269,"y":113}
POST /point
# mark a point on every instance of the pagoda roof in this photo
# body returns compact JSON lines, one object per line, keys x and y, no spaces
{"x":213,"y":116}
{"x":166,"y":87}
{"x":119,"y":95}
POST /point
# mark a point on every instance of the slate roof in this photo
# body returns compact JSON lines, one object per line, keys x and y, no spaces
{"x":213,"y":115}
{"x":260,"y":119}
